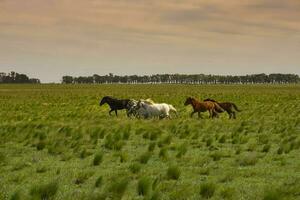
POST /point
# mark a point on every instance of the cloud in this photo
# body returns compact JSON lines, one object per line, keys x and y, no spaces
{"x":98,"y":30}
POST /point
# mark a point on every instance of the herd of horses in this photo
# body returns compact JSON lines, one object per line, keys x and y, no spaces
{"x":149,"y":109}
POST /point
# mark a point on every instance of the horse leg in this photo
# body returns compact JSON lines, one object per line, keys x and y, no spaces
{"x":168,"y":116}
{"x":116,"y":112}
{"x":233,"y":113}
{"x":215,"y":114}
{"x":210,"y":114}
{"x":193,"y":113}
{"x":110,"y":111}
{"x":199,"y":115}
{"x":229,"y":113}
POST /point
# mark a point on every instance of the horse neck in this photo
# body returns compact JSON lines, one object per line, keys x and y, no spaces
{"x":110,"y":101}
{"x":196,"y":103}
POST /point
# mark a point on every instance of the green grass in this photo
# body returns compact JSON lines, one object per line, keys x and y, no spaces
{"x":173,"y":172}
{"x":56,"y":142}
{"x":207,"y":189}
{"x":46,"y":191}
{"x":98,"y":158}
{"x":144,"y":186}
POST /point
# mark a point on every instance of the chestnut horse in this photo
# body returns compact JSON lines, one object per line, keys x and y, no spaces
{"x":229,"y":107}
{"x":199,"y":107}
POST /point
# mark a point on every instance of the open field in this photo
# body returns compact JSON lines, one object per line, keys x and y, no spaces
{"x":57,"y":143}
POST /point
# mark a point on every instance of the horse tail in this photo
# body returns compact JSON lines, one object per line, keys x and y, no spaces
{"x":235,"y":107}
{"x":172,"y":108}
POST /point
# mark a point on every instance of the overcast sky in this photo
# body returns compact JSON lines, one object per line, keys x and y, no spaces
{"x":50,"y":38}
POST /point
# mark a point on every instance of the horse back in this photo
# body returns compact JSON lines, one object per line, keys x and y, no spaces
{"x":226,"y":106}
{"x":118,"y":103}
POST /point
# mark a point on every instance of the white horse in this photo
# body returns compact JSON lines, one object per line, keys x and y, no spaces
{"x":134,"y":110}
{"x":148,"y":109}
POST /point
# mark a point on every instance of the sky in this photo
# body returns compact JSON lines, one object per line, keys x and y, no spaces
{"x":47,"y":39}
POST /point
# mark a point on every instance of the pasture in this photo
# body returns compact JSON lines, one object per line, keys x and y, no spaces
{"x":56,"y":142}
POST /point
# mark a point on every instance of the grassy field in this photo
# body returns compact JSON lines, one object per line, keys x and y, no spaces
{"x":57,"y":143}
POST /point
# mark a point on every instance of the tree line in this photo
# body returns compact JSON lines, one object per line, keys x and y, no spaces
{"x":184,"y":79}
{"x":14,"y":77}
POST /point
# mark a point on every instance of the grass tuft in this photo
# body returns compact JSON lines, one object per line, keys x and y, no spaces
{"x":82,"y":177}
{"x":98,"y":158}
{"x":118,"y":187}
{"x":16,"y":196}
{"x":216,"y":156}
{"x":144,"y":158}
{"x":41,"y":169}
{"x":173,"y":172}
{"x":209,"y":142}
{"x":144,"y":186}
{"x":40,"y":145}
{"x":151,"y":146}
{"x":272,"y":194}
{"x":207,"y":189}
{"x":99,"y":182}
{"x":123,"y":157}
{"x":135,"y":168}
{"x":248,"y":159}
{"x":227,"y":193}
{"x":182,"y":149}
{"x":44,"y":191}
{"x":163,"y":153}
{"x":165,"y":141}
{"x":266,"y":148}
{"x":222,"y":139}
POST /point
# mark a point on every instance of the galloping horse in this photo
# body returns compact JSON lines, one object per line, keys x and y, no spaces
{"x":132,"y":108}
{"x":199,"y":107}
{"x":148,"y":109}
{"x":229,"y":107}
{"x":114,"y":104}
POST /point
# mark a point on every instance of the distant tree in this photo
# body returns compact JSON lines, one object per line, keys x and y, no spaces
{"x":14,"y":77}
{"x":184,"y":79}
{"x":67,"y":79}
{"x":34,"y":80}
{"x":21,"y":78}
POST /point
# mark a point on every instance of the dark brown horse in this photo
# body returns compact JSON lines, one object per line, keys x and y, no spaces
{"x":229,"y":107}
{"x":114,"y":104}
{"x":203,"y":107}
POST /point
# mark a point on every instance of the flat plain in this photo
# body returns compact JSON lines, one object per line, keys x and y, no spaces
{"x":56,"y":142}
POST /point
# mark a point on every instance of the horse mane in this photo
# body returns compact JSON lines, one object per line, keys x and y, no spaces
{"x":149,"y":101}
{"x":108,"y":97}
{"x":212,"y":100}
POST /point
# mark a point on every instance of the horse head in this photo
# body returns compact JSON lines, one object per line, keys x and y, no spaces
{"x":188,"y":101}
{"x":104,"y":100}
{"x":132,"y":103}
{"x":142,"y":104}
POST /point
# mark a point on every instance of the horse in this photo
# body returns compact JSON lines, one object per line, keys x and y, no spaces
{"x":114,"y":104}
{"x":148,"y":109}
{"x":135,"y":110}
{"x":229,"y":107}
{"x":132,"y":108}
{"x":203,"y":107}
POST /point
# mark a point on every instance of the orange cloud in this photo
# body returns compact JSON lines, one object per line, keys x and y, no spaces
{"x":215,"y":29}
